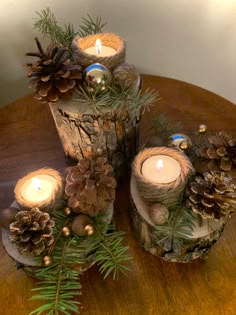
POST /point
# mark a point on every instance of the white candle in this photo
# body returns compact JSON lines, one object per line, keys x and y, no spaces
{"x":161,"y":169}
{"x":100,"y":50}
{"x":38,"y":189}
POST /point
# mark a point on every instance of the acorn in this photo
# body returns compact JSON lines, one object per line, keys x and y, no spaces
{"x":7,"y":216}
{"x":67,"y":211}
{"x":158,"y":213}
{"x":82,"y":225}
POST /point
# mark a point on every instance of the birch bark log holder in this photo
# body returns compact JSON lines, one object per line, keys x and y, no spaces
{"x":152,"y":207}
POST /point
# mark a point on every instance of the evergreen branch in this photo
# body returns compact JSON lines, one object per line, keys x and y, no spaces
{"x":163,"y":126}
{"x":90,"y":26}
{"x":116,"y":99}
{"x":111,"y":255}
{"x":47,"y":24}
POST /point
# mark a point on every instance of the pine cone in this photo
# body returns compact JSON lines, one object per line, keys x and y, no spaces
{"x":32,"y":231}
{"x":221,"y":152}
{"x":126,"y":75}
{"x":53,"y":75}
{"x":212,"y":195}
{"x":90,"y":186}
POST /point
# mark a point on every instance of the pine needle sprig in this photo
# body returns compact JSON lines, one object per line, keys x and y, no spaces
{"x":90,"y":26}
{"x":163,"y":126}
{"x":114,"y":99}
{"x":111,"y":255}
{"x":47,"y":24}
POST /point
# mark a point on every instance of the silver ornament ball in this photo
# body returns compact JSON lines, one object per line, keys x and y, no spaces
{"x":97,"y":77}
{"x":179,"y":141}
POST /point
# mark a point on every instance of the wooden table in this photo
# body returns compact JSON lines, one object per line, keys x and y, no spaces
{"x":28,"y":141}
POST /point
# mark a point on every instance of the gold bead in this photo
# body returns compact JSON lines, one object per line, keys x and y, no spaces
{"x":47,"y":261}
{"x":89,"y":229}
{"x":184,"y":145}
{"x":67,"y":211}
{"x":66,"y":231}
{"x":202,"y":128}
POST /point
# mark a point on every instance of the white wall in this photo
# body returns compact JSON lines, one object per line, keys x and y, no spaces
{"x":190,"y":40}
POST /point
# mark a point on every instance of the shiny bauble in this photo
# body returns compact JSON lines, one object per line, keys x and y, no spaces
{"x":97,"y":78}
{"x":158,"y":213}
{"x":7,"y":216}
{"x":66,"y":231}
{"x":202,"y":128}
{"x":127,"y":76}
{"x":82,"y":225}
{"x":179,"y":141}
{"x":67,"y":211}
{"x":47,"y":261}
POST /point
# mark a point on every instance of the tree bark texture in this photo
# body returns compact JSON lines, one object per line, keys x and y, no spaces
{"x":164,"y":245}
{"x":88,"y":134}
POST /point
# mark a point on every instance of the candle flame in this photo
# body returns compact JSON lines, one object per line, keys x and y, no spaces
{"x":36,"y":183}
{"x":98,"y":46}
{"x":160,"y":165}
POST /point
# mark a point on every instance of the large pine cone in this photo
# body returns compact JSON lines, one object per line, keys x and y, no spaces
{"x":212,"y":195}
{"x":32,"y":232}
{"x":90,"y":186}
{"x":53,"y":75}
{"x":221,"y":152}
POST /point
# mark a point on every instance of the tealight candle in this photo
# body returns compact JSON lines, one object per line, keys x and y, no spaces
{"x":42,"y":189}
{"x":161,"y":169}
{"x":161,"y":174}
{"x":100,"y":50}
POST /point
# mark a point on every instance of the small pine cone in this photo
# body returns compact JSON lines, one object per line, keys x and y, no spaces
{"x":221,"y":152}
{"x":212,"y":195}
{"x":90,"y":186}
{"x":53,"y":75}
{"x":126,"y":75}
{"x":32,"y":232}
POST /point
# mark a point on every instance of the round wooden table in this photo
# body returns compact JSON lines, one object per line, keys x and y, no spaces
{"x":29,"y":141}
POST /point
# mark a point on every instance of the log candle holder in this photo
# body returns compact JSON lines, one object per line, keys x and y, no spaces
{"x":81,"y":44}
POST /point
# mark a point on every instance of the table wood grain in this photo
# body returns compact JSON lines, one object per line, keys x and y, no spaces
{"x":28,"y":141}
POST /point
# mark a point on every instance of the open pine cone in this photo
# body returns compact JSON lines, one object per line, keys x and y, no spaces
{"x":90,"y":186}
{"x":53,"y":75}
{"x":32,"y":232}
{"x":221,"y":152}
{"x":212,"y":195}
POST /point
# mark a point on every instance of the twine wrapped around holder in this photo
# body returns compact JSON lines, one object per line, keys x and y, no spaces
{"x":48,"y":203}
{"x":167,"y":193}
{"x":112,"y":40}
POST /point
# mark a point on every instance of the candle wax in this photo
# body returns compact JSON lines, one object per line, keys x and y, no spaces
{"x":106,"y":51}
{"x":38,"y":193}
{"x":169,"y":172}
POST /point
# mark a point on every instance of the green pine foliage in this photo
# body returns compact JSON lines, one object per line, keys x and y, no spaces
{"x":164,"y":127}
{"x":116,"y":99}
{"x":47,"y":24}
{"x":59,"y":284}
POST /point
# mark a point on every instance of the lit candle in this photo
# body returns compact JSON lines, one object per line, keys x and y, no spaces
{"x":100,"y":50}
{"x":38,"y":189}
{"x":42,"y":188}
{"x":161,"y":169}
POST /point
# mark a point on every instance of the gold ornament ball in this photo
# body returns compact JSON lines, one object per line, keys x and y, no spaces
{"x":66,"y":231}
{"x":97,"y":77}
{"x":202,"y":128}
{"x":89,"y":229}
{"x":179,"y":141}
{"x":184,"y":145}
{"x":47,"y":261}
{"x":67,"y":211}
